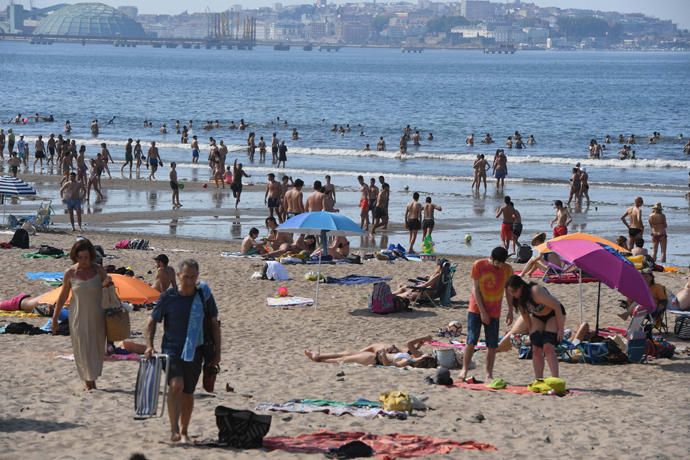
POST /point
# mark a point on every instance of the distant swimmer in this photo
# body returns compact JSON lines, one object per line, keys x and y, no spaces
{"x":416,"y":138}
{"x":295,"y":134}
{"x":163,"y":129}
{"x":531,"y":140}
{"x":68,"y":127}
{"x":686,"y":148}
{"x":487,"y":139}
{"x":562,"y":220}
{"x":631,"y":139}
{"x":381,"y":145}
{"x":216,"y":124}
{"x":195,"y":150}
{"x":177,"y":126}
{"x":94,"y":128}
{"x":361,"y":133}
{"x":243,"y":125}
{"x":232,"y":125}
{"x":430,"y":137}
{"x":185,"y":135}
{"x":519,"y":144}
{"x":509,"y":142}
{"x":607,"y":139}
{"x":111,"y":121}
{"x":367,"y":147}
{"x":403,"y":145}
{"x":334,"y":129}
{"x":429,"y":221}
{"x":469,"y":140}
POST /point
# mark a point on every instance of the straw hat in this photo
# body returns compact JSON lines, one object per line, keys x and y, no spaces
{"x":657,"y":207}
{"x":538,"y":238}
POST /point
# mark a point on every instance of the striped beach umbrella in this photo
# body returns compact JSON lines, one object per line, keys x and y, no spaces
{"x":14,"y":186}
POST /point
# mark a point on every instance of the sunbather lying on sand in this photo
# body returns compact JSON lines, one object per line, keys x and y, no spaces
{"x":379,"y":354}
{"x":24,"y":302}
{"x":304,"y":242}
{"x":682,"y":300}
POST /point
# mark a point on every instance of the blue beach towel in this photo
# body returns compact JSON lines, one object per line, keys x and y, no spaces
{"x":195,"y":328}
{"x":351,"y":280}
{"x":44,"y":275}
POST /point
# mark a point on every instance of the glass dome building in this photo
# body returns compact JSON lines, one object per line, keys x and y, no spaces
{"x":90,"y":20}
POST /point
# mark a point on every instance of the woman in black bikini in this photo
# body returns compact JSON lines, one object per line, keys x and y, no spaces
{"x":545,"y":316}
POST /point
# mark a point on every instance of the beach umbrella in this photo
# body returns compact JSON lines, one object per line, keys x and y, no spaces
{"x":324,"y":224}
{"x":128,"y":288}
{"x":607,"y":265}
{"x":544,"y":247}
{"x":13,"y":186}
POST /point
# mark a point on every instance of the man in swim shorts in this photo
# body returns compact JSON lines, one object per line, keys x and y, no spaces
{"x":72,"y":193}
{"x":153,"y":159}
{"x":292,"y":200}
{"x":413,"y":220}
{"x":635,"y":226}
{"x":272,"y":195}
{"x":195,"y":150}
{"x":508,"y":213}
{"x":429,"y":220}
{"x":381,"y":208}
{"x":562,"y":220}
{"x":363,"y":203}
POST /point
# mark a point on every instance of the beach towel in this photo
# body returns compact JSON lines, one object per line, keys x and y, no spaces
{"x":387,"y":446}
{"x":289,"y":301}
{"x":351,"y":280}
{"x":195,"y":326}
{"x":47,"y":276}
{"x":239,"y":255}
{"x":562,"y":278}
{"x":19,"y":314}
{"x":114,"y":357}
{"x":455,"y":344}
{"x":360,"y":408}
{"x":518,"y":390}
{"x":21,"y":328}
{"x":37,"y":255}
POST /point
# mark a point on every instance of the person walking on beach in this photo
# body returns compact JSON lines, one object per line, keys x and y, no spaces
{"x":85,"y":280}
{"x":635,"y":226}
{"x":381,"y":208}
{"x":373,"y":195}
{"x":413,"y":220}
{"x":237,"y":174}
{"x":138,"y":155}
{"x":489,"y":277}
{"x":575,"y":186}
{"x":274,"y":148}
{"x":195,"y":150}
{"x":272,"y":195}
{"x":429,"y":220}
{"x":73,"y":193}
{"x":657,"y":222}
{"x":153,"y":158}
{"x":292,"y":200}
{"x":182,"y":311}
{"x":175,"y":186}
{"x":39,"y":152}
{"x":363,"y":203}
{"x":129,"y":158}
{"x":507,"y":212}
{"x":282,"y":153}
{"x":545,"y":318}
{"x":562,"y":220}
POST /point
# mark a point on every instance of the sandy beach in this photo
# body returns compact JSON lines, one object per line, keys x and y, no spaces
{"x":631,"y":411}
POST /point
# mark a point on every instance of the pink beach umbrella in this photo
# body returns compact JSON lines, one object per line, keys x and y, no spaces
{"x":609,"y":267}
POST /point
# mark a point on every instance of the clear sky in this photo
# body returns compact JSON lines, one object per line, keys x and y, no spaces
{"x":676,"y":10}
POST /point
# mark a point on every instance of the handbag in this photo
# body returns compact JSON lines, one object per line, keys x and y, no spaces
{"x":241,"y":429}
{"x":117,"y":326}
{"x":682,"y":327}
{"x":109,"y":299}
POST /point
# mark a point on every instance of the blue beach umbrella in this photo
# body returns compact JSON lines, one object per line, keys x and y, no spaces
{"x":13,"y":186}
{"x":324,"y":224}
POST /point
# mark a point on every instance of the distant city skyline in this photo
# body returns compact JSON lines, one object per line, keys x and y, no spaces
{"x":676,"y":10}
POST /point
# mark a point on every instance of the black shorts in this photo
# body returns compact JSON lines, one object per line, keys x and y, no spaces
{"x":634,"y":232}
{"x":372,"y":205}
{"x":274,"y":150}
{"x":39,"y":154}
{"x":51,"y":150}
{"x":428,"y":224}
{"x":236,"y":188}
{"x":189,"y":371}
{"x":379,"y":213}
{"x":413,"y":224}
{"x":273,"y":202}
{"x":517,"y":229}
{"x":174,"y":186}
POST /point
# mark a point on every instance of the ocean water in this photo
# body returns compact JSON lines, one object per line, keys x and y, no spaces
{"x":563,"y":99}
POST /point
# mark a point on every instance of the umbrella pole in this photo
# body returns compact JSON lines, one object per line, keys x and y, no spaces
{"x":581,"y":310}
{"x":318,"y":281}
{"x":596,"y":332}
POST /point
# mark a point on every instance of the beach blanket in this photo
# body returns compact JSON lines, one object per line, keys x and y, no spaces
{"x":387,"y":446}
{"x":239,"y":255}
{"x":36,"y":255}
{"x":289,"y":301}
{"x":455,"y":344}
{"x":563,"y":278}
{"x":518,"y":390}
{"x":113,"y":357}
{"x":18,"y":314}
{"x":21,"y":328}
{"x":360,"y":408}
{"x":47,"y":276}
{"x":351,"y":280}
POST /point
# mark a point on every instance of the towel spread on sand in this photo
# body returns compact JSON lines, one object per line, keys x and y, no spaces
{"x":114,"y":357}
{"x":239,"y":255}
{"x":360,"y":408}
{"x":387,"y":446}
{"x":289,"y":301}
{"x":36,"y":255}
{"x":47,"y":276}
{"x":455,"y":344}
{"x":562,"y":278}
{"x":351,"y":280}
{"x":518,"y":390}
{"x":19,"y":314}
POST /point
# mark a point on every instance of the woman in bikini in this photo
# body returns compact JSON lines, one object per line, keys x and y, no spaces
{"x":545,"y":317}
{"x":379,"y":354}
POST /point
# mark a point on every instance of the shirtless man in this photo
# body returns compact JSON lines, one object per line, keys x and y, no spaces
{"x":222,"y":155}
{"x":72,"y":193}
{"x":66,"y":167}
{"x":480,"y":167}
{"x":500,"y":168}
{"x":129,"y":158}
{"x":575,"y":186}
{"x":237,"y":174}
{"x":175,"y":186}
{"x":274,"y":148}
{"x":413,"y":220}
{"x":250,"y":246}
{"x":507,"y":212}
{"x":416,"y":137}
{"x":683,"y":297}
{"x":165,"y":275}
{"x":403,"y":145}
{"x":329,"y":189}
{"x":657,"y":221}
{"x":469,"y":140}
{"x":429,"y":221}
{"x":635,"y":226}
{"x":562,"y":220}
{"x":153,"y":158}
{"x":138,"y":155}
{"x":381,"y":208}
{"x":285,"y":184}
{"x":292,"y":200}
{"x":584,"y":185}
{"x":195,"y":150}
{"x":384,"y":219}
{"x":363,"y":204}
{"x":373,"y":195}
{"x":316,"y":200}
{"x":276,"y":238}
{"x":262,"y":150}
{"x":272,"y":195}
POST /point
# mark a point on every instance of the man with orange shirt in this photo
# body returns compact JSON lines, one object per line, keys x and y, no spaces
{"x":489,"y":277}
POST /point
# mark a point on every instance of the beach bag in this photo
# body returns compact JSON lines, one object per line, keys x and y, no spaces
{"x":20,"y":239}
{"x":117,"y":325}
{"x":109,"y":298}
{"x":122,"y":244}
{"x":381,"y":299}
{"x":396,"y":401}
{"x":47,"y":250}
{"x":241,"y":429}
{"x":138,"y":244}
{"x":657,"y":347}
{"x":682,"y":327}
{"x":524,"y":254}
{"x":448,"y":358}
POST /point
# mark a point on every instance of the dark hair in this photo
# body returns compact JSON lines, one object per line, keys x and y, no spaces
{"x":317,"y":185}
{"x":82,"y":245}
{"x":271,"y":176}
{"x":639,"y":243}
{"x":191,"y":263}
{"x":299,"y":183}
{"x":270,"y":219}
{"x":516,"y":282}
{"x":499,"y":254}
{"x":415,"y":196}
{"x":360,"y":178}
{"x":254,"y":231}
{"x":558,"y":203}
{"x":506,"y":200}
{"x":425,"y":362}
{"x":428,"y":199}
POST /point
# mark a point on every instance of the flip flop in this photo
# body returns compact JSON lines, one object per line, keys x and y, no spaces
{"x":472,"y":380}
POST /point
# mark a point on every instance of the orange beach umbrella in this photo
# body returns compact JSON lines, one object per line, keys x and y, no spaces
{"x":543,"y":248}
{"x":129,"y":289}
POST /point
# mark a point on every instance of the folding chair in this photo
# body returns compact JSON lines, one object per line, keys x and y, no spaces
{"x":443,"y":291}
{"x":148,"y":386}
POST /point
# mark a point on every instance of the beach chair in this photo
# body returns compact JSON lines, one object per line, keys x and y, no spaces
{"x":656,"y":321}
{"x":553,"y":272}
{"x":148,"y":386}
{"x":443,"y":291}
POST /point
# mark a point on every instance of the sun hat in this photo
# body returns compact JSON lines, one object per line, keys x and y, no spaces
{"x":657,"y":207}
{"x":538,"y":238}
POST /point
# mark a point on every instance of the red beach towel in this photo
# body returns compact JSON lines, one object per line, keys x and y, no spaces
{"x":386,"y":446}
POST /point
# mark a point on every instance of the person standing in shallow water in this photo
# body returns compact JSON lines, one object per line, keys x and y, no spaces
{"x":85,"y":280}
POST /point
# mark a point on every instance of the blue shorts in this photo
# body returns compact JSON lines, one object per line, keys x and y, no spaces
{"x":195,"y":153}
{"x":474,"y":326}
{"x":500,"y":174}
{"x":73,"y":204}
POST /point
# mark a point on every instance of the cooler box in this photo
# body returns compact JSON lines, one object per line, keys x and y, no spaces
{"x":636,"y":348}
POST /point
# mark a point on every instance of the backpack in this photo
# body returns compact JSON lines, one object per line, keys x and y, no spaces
{"x":682,"y":327}
{"x":524,"y":254}
{"x":241,"y":429}
{"x":381,"y":299}
{"x":47,"y":250}
{"x":20,"y":239}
